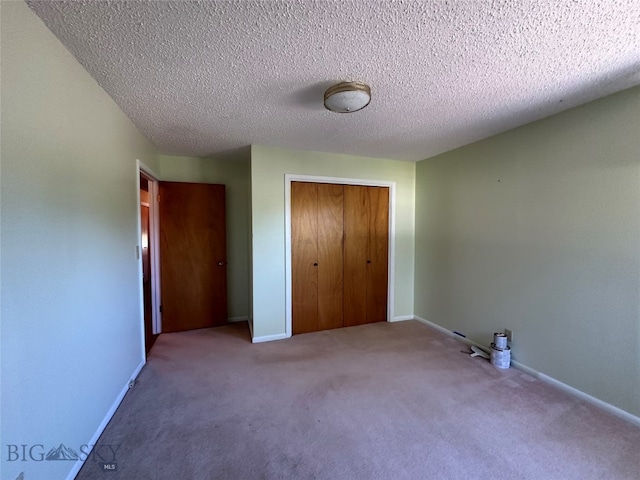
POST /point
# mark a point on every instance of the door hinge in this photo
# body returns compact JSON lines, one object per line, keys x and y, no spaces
{"x":160,"y":308}
{"x":158,"y":198}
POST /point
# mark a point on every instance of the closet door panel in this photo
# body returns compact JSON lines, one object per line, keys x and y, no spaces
{"x":356,"y":239}
{"x":304,"y":254}
{"x":377,"y":261}
{"x":330,"y":255}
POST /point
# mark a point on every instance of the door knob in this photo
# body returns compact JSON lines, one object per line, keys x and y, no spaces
{"x":315,"y":264}
{"x":368,"y":261}
{"x":220,"y":264}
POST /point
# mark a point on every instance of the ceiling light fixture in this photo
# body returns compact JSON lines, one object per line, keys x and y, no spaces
{"x":347,"y":97}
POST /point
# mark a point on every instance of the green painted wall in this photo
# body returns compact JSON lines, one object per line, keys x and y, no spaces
{"x":268,"y":168}
{"x":71,"y":324}
{"x":538,"y":230}
{"x":231,"y":170}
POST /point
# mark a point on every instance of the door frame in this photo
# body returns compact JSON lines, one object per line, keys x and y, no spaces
{"x":154,"y":243}
{"x":290,"y":177}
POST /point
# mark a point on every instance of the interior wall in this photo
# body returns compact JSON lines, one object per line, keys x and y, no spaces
{"x":231,"y":170}
{"x":538,"y":230}
{"x":71,"y":326}
{"x":268,"y":168}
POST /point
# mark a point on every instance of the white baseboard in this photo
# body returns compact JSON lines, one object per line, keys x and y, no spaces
{"x":237,"y":319}
{"x":96,"y":436}
{"x":451,"y":334}
{"x":268,"y":338}
{"x":402,"y":318}
{"x":607,"y":407}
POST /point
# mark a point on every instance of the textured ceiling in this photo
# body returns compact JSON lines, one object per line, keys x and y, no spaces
{"x":199,"y":78}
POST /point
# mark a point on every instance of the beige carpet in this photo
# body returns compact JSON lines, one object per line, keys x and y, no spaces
{"x":381,"y":401}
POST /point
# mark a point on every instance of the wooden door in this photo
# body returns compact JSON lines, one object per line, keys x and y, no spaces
{"x":339,"y":255}
{"x":330,"y":255}
{"x":316,"y":256}
{"x":366,"y":227}
{"x":193,"y":262}
{"x":356,"y":241}
{"x":304,"y":257}
{"x":378,"y":254}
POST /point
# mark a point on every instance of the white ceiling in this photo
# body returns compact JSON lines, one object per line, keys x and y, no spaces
{"x":199,"y":78}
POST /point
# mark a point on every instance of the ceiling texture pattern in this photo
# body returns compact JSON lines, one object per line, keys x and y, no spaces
{"x":200,"y":78}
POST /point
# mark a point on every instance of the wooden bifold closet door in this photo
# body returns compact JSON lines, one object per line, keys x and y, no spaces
{"x":316,"y":256}
{"x":339,"y":245}
{"x":366,"y":249}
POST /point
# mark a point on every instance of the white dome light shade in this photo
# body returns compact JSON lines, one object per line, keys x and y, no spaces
{"x":347,"y":97}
